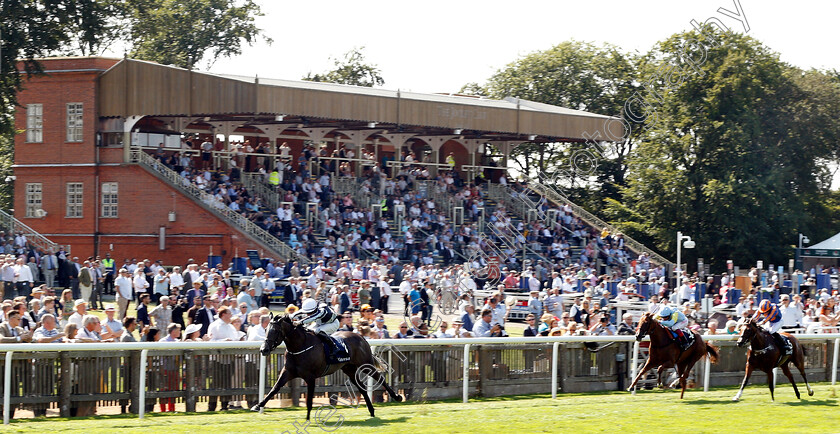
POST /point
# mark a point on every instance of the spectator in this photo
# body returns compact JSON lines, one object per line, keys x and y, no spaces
{"x":47,"y":332}
{"x":535,"y":305}
{"x":162,"y":314}
{"x":531,"y":329}
{"x":173,"y":334}
{"x":90,"y":330}
{"x":442,"y":333}
{"x":626,"y":326}
{"x":257,"y":332}
{"x":484,"y":328}
{"x":129,"y":325}
{"x":222,"y":329}
{"x":403,"y":333}
{"x":603,"y":327}
{"x":143,"y":319}
{"x":731,"y":326}
{"x":70,"y":331}
{"x":712,"y":328}
{"x":248,"y":297}
{"x":124,"y":292}
{"x":193,"y":333}
{"x":11,"y":332}
{"x":112,"y":326}
{"x":467,"y":317}
{"x":78,"y":316}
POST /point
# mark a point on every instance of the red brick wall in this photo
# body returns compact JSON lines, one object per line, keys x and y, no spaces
{"x":144,"y":206}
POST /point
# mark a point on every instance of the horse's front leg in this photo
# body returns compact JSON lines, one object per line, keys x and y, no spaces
{"x":310,"y":393}
{"x":743,"y":383}
{"x":647,"y":366}
{"x":285,"y":376}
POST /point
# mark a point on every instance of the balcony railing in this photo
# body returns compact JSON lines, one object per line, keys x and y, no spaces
{"x":209,"y":202}
{"x":34,"y":238}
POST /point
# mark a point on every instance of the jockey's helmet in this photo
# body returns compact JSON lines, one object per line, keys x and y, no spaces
{"x":310,"y":305}
{"x":665,"y":312}
{"x":764,"y":306}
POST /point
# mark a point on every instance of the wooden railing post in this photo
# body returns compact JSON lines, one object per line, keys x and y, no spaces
{"x":189,"y":398}
{"x":132,"y":370}
{"x":65,"y":387}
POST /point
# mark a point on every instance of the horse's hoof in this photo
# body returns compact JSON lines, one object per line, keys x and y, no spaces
{"x":629,"y":389}
{"x":810,"y":393}
{"x":735,"y":399}
{"x":398,"y":398}
{"x":255,"y":408}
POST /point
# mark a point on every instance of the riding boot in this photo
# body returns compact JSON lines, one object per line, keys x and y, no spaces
{"x":323,"y":335}
{"x":780,"y":342}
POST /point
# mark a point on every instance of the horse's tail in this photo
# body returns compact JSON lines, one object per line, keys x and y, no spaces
{"x":713,"y":352}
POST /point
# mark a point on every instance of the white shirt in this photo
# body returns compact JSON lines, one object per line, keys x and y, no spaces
{"x":124,"y":286}
{"x":384,"y":288}
{"x":791,"y":315}
{"x":220,"y":331}
{"x":176,"y":280}
{"x":140,"y":283}
{"x":256,"y":333}
{"x":76,"y":319}
{"x":24,"y":273}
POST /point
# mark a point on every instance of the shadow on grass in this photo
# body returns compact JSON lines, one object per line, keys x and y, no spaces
{"x":708,"y":401}
{"x":811,"y":402}
{"x":375,"y":421}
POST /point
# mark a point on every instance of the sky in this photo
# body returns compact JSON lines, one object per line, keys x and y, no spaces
{"x":438,"y":46}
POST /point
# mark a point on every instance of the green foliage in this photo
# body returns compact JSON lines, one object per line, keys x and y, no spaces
{"x":352,"y":70}
{"x":575,"y":75}
{"x":735,"y":156}
{"x":186,"y":32}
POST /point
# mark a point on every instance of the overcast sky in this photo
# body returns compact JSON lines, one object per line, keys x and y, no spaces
{"x":437,"y":46}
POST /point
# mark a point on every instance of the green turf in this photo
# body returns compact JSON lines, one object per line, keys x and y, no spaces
{"x":647,"y":411}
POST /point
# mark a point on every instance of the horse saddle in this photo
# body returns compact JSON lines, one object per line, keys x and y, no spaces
{"x":336,"y":351}
{"x":684,"y":339}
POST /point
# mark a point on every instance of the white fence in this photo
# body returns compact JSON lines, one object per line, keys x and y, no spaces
{"x":144,"y":347}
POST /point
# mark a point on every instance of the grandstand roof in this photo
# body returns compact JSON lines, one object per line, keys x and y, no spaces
{"x":140,"y":88}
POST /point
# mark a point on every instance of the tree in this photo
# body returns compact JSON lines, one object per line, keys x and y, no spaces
{"x":352,"y":70}
{"x":736,"y":157}
{"x":185,"y":32}
{"x":574,"y":75}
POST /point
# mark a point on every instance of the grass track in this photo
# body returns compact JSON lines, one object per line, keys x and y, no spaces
{"x":648,"y":411}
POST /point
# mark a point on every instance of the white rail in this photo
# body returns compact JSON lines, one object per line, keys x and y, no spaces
{"x":10,"y":349}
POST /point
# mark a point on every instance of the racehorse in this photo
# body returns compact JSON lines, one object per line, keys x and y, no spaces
{"x":305,"y":358}
{"x":665,"y":352}
{"x":764,"y":354}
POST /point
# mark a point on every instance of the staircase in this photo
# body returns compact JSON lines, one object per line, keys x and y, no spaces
{"x":14,"y":226}
{"x":209,"y":203}
{"x":553,"y":195}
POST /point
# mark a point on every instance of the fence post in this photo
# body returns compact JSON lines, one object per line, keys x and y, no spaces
{"x":635,"y":366}
{"x":466,"y":373}
{"x":261,"y":393}
{"x":706,"y":373}
{"x":189,"y":361}
{"x":142,"y":410}
{"x":554,"y":350}
{"x":7,"y":386}
{"x":294,"y":388}
{"x":834,"y":364}
{"x":134,"y":381}
{"x":65,"y":387}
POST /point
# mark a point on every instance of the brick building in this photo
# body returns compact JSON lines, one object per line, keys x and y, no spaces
{"x":80,"y":179}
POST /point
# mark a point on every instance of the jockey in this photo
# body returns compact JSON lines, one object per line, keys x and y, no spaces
{"x":676,"y":321}
{"x":770,"y":318}
{"x":324,"y":321}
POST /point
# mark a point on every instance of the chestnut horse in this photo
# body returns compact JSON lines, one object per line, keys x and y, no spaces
{"x":665,"y":351}
{"x":305,"y":358}
{"x":765,"y":355}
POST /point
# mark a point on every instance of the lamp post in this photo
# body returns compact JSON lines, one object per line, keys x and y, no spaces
{"x":689,"y":244}
{"x":798,"y":258}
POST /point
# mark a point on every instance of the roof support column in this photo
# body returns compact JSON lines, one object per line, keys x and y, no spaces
{"x":397,"y":140}
{"x":435,"y":142}
{"x":128,"y":125}
{"x":472,"y":148}
{"x":357,"y":138}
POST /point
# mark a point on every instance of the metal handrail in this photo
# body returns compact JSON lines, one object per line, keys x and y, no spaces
{"x":283,"y":250}
{"x":255,"y":183}
{"x":551,"y":193}
{"x":32,"y":236}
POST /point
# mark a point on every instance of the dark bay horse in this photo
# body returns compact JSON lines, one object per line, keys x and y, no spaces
{"x":305,"y":358}
{"x":764,"y":355}
{"x":665,"y":351}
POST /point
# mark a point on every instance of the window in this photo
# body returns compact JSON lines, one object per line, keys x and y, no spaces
{"x":74,"y":122}
{"x":35,"y":123}
{"x":110,"y":199}
{"x":74,"y":199}
{"x":33,"y":200}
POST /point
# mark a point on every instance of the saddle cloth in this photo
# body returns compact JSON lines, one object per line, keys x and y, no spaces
{"x":688,"y":335}
{"x":340,"y":356}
